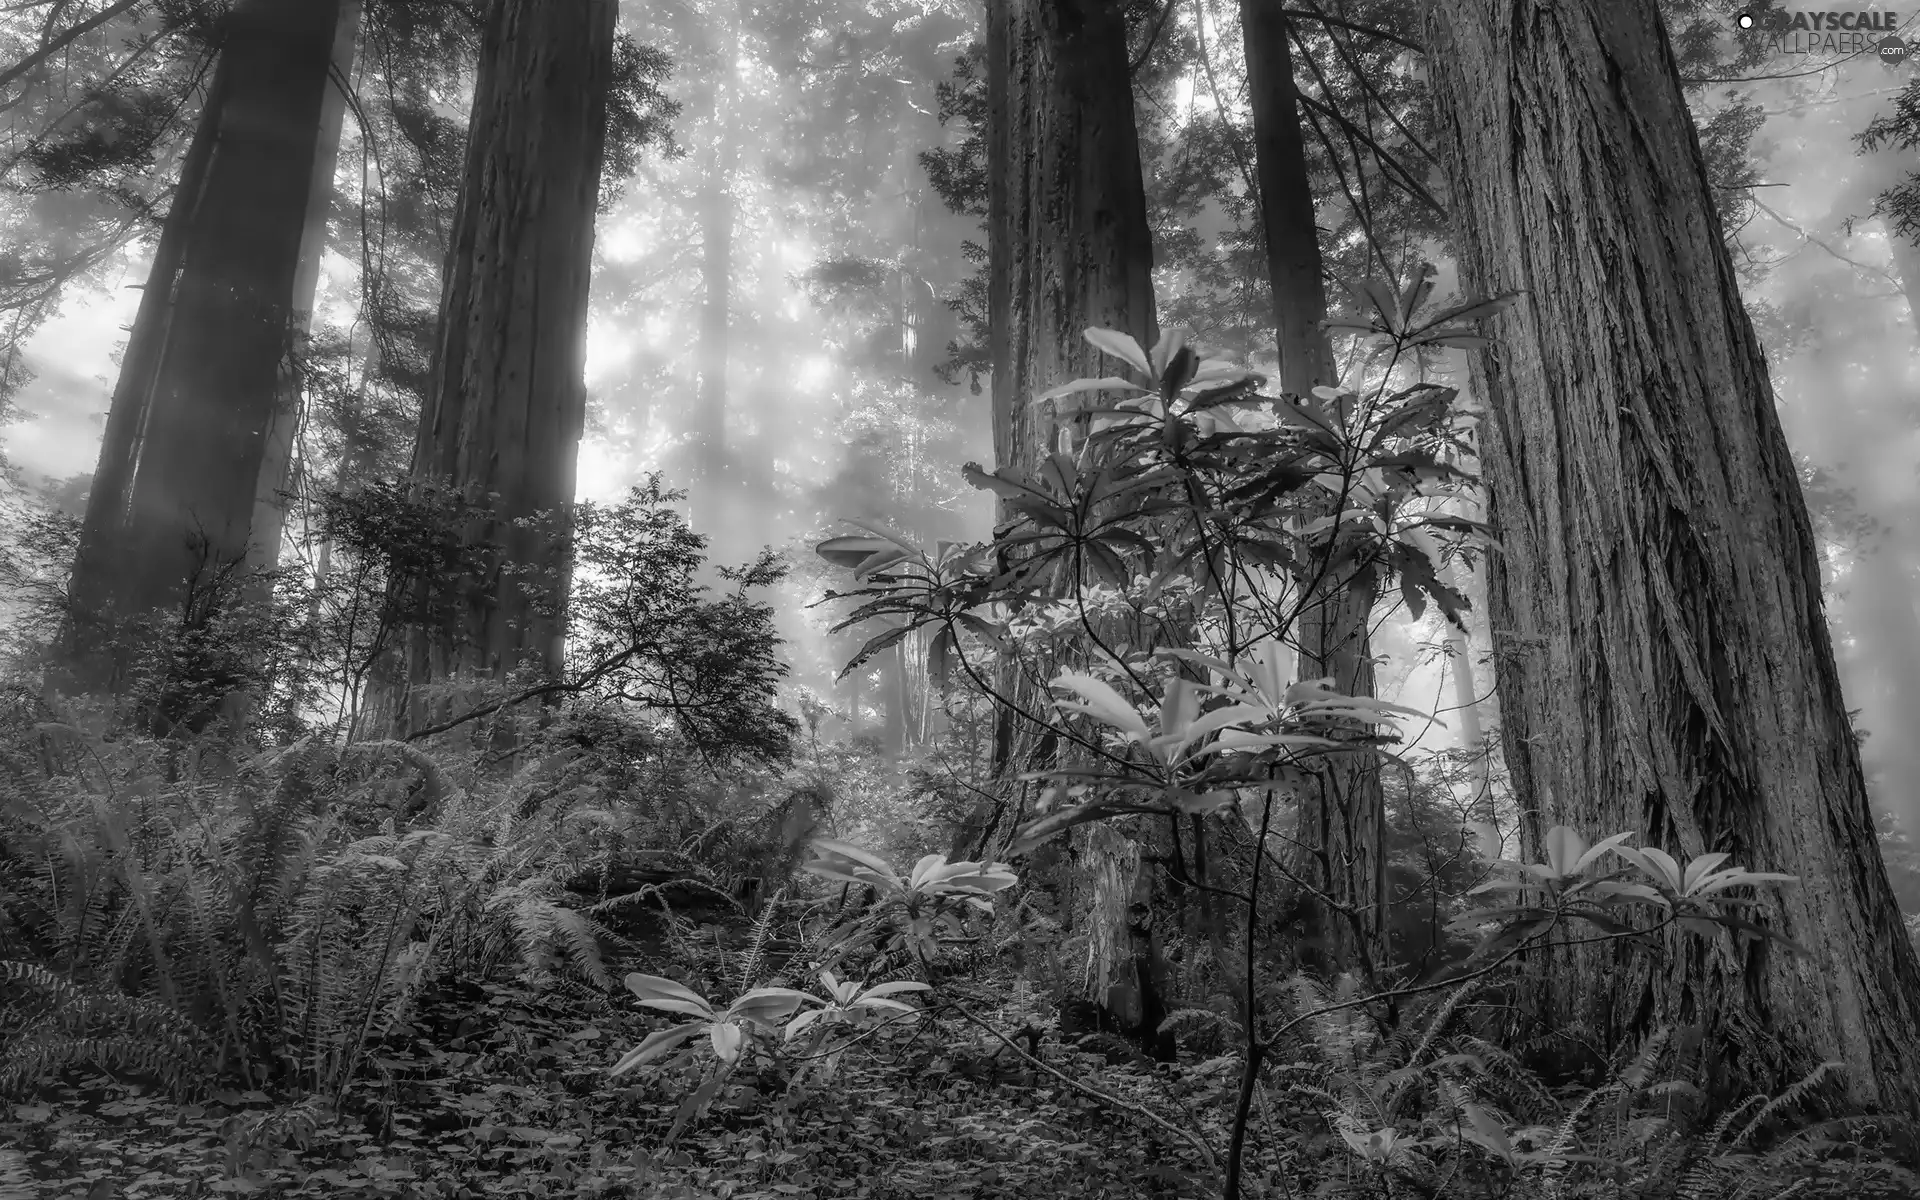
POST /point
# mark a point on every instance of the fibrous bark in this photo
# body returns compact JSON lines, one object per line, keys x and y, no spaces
{"x":503,"y":417}
{"x":1069,"y":249}
{"x":1067,"y":209}
{"x":1663,"y":658}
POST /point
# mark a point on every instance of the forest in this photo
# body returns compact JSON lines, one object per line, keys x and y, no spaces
{"x":959,"y":599}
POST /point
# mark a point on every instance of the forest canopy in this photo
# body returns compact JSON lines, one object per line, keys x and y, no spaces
{"x":1067,"y":597}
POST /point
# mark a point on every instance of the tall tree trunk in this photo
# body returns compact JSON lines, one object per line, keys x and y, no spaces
{"x":713,"y":348}
{"x":1474,"y":711}
{"x":1344,"y":813}
{"x":270,"y":496}
{"x":716,"y":497}
{"x":1886,"y":584}
{"x":1067,"y":208}
{"x":197,"y":439}
{"x":1295,"y":270}
{"x":1664,"y":664}
{"x":1466,"y":705}
{"x":893,"y":701}
{"x":1879,"y":605}
{"x":856,"y":715}
{"x":507,"y":402}
{"x":1069,"y":249}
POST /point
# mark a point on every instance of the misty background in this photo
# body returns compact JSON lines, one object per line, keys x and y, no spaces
{"x":779,"y":321}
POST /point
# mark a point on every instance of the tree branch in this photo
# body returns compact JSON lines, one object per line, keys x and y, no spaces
{"x":56,"y":45}
{"x":1315,"y":14}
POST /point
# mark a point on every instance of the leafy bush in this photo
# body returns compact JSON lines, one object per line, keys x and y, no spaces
{"x":1266,"y":508}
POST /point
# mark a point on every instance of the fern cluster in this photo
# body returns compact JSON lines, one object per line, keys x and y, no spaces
{"x":189,"y":919}
{"x":1432,"y":1106}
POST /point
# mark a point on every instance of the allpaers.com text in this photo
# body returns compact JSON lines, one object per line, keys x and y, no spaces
{"x":1831,"y":32}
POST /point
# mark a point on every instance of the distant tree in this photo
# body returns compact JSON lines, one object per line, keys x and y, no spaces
{"x":98,"y":107}
{"x":196,"y":447}
{"x":719,"y":164}
{"x":646,"y":634}
{"x":1295,"y":272}
{"x":1343,"y":819}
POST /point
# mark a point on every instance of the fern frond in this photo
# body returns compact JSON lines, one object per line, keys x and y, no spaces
{"x":1786,"y":1099}
{"x":1634,"y":1077}
{"x":1502,"y":1068}
{"x":757,"y":943}
{"x":1438,"y":1024}
{"x":1566,"y":1134}
{"x":55,"y":1023}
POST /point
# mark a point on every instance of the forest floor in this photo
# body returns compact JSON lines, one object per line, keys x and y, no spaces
{"x":503,"y":1092}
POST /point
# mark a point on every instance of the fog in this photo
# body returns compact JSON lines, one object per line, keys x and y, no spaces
{"x":800,"y":136}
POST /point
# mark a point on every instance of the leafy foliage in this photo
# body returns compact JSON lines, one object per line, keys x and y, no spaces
{"x":644,"y":630}
{"x":1180,"y":468}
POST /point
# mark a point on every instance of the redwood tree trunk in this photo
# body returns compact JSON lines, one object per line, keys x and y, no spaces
{"x":1345,"y":814}
{"x":1069,"y":249}
{"x":1664,"y":664}
{"x":1067,"y":210}
{"x":507,"y":401}
{"x":196,"y":445}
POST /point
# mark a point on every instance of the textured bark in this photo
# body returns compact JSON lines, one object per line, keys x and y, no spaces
{"x":1345,"y":818}
{"x":503,"y":418}
{"x":1069,"y":249}
{"x":1067,"y":211}
{"x":196,"y":437}
{"x":1663,"y":659}
{"x":1069,"y":244}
